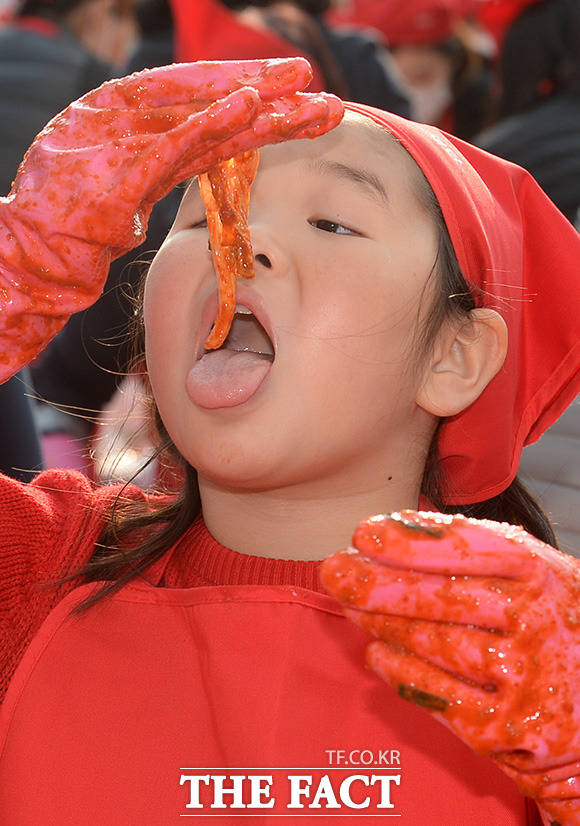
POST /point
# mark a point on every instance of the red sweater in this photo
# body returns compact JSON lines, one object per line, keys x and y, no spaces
{"x":48,"y":529}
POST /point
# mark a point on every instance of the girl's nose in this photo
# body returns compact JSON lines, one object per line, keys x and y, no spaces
{"x":263,"y":259}
{"x":272,"y":254}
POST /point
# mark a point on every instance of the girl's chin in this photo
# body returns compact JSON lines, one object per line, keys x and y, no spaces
{"x":234,"y":469}
{"x":236,"y":473}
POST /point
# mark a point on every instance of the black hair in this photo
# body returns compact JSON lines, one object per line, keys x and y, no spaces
{"x":51,"y":9}
{"x":154,"y":17}
{"x":310,"y":6}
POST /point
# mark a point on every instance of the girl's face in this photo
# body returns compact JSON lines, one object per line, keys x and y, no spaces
{"x":343,"y":252}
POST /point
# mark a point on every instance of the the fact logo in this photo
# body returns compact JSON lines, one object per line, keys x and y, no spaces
{"x":338,"y":788}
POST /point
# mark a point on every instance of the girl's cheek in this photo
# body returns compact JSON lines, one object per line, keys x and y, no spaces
{"x":175,"y":274}
{"x":167,"y":303}
{"x":156,"y":298}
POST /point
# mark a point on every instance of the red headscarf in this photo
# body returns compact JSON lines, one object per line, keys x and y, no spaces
{"x":512,"y":242}
{"x":208,"y":30}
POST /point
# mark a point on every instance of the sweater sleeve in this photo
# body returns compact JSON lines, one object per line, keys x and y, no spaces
{"x":48,"y":528}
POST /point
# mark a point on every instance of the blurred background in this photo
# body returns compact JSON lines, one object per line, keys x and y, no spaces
{"x":502,"y":74}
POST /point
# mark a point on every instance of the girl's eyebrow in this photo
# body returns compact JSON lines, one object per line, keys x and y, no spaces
{"x":368,"y":181}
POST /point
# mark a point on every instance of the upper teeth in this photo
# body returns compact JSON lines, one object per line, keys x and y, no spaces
{"x":242,"y":310}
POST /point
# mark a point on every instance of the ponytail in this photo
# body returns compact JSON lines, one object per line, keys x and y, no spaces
{"x":515,"y":504}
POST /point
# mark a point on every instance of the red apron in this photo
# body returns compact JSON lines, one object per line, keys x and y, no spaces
{"x":109,"y":711}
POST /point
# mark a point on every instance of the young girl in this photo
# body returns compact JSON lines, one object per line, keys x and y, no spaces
{"x":411,"y":324}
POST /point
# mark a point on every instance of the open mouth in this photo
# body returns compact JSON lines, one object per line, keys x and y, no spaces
{"x":233,"y":373}
{"x":247,"y":335}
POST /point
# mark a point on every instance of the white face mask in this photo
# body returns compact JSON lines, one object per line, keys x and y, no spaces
{"x":428,"y":103}
{"x":7,"y":8}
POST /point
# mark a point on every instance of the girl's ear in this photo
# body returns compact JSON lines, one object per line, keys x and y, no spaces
{"x":466,"y":357}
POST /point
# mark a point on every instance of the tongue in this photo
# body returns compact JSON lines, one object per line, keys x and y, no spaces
{"x":226,"y":378}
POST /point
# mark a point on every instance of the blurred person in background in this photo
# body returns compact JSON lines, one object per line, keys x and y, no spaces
{"x":443,"y":57}
{"x":51,"y":52}
{"x":7,"y":9}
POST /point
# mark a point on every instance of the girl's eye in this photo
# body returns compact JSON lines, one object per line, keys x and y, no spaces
{"x":332,"y":226}
{"x":201,"y":224}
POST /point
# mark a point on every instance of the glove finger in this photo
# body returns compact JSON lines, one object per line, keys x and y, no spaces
{"x":188,"y":83}
{"x":469,"y":711}
{"x":468,"y":653}
{"x":439,"y":543}
{"x":310,"y":116}
{"x":424,"y":684}
{"x":568,"y":789}
{"x":560,"y":812}
{"x":366,"y":586}
{"x":283,"y":120}
{"x":154,"y":171}
{"x":537,"y":778}
{"x":84,"y":126}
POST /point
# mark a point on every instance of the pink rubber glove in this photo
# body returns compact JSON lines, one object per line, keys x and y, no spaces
{"x":85,"y":189}
{"x":479,"y":623}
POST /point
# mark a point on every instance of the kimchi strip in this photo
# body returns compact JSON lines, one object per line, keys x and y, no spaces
{"x":225,"y":191}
